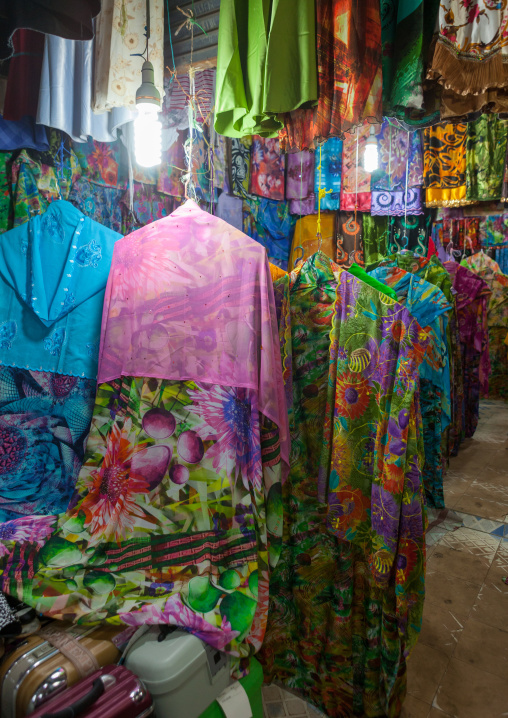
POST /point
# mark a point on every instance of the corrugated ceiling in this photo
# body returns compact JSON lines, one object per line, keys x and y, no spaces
{"x":205,"y":45}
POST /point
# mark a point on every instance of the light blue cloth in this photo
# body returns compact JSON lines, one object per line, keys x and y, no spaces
{"x":53,"y":274}
{"x":331,"y":170}
{"x":65,"y":94}
{"x":430,"y":308}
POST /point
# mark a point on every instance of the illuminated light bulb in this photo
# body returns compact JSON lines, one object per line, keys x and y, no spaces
{"x":370,"y":155}
{"x":147,"y":127}
{"x":147,"y":135}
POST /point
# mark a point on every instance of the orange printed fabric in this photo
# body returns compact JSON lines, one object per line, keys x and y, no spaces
{"x":444,"y":165}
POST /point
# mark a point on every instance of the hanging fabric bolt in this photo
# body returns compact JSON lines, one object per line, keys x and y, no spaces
{"x":321,"y":194}
{"x":405,"y":195}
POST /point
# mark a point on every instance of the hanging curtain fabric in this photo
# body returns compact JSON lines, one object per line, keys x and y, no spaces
{"x":444,"y":165}
{"x":350,"y":78}
{"x":120,"y":39}
{"x":65,"y":95}
{"x":179,"y":498}
{"x":406,"y":32}
{"x":429,"y":306}
{"x":472,"y":298}
{"x":328,"y":177}
{"x":48,"y":354}
{"x":485,"y":158}
{"x":346,"y":597}
{"x":469,"y":58}
{"x":355,"y":184}
{"x":72,"y":20}
{"x":266,"y":64}
{"x":394,"y":192}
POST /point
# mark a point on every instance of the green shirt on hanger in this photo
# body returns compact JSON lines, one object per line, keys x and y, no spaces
{"x":266,"y":64}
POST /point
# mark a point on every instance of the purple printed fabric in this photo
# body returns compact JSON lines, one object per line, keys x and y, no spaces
{"x":300,"y":175}
{"x":303,"y":207}
{"x":394,"y":203}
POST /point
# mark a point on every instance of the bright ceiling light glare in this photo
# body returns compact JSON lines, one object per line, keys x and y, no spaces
{"x":371,"y":155}
{"x":147,"y":126}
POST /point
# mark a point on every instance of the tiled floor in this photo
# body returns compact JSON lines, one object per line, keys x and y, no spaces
{"x":459,"y":669}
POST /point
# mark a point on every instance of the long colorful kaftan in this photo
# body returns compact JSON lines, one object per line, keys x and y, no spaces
{"x":430,"y":308}
{"x":177,"y":511}
{"x":349,"y":70}
{"x":347,"y":594}
{"x":53,"y":274}
{"x":472,"y":296}
{"x":497,"y":320}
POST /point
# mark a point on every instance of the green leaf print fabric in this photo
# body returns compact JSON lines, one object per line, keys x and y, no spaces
{"x":346,"y":597}
{"x":485,"y":157}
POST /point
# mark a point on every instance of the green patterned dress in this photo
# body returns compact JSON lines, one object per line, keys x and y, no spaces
{"x":346,"y":597}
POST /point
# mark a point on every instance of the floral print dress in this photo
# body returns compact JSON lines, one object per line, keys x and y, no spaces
{"x":347,"y":594}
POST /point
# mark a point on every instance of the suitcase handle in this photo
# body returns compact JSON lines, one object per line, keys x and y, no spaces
{"x":81,"y":704}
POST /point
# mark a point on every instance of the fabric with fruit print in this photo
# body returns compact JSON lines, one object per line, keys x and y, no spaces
{"x":120,"y":42}
{"x":346,"y":596}
{"x":176,"y":518}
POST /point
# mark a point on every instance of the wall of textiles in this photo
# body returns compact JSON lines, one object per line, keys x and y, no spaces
{"x":235,"y":379}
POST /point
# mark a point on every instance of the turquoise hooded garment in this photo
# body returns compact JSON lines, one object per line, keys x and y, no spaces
{"x":53,"y":274}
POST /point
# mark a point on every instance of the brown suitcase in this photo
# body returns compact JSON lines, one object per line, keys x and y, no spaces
{"x":38,"y":669}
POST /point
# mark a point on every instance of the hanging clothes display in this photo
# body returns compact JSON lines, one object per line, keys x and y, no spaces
{"x":472,"y":297}
{"x":375,"y":234}
{"x":49,"y":346}
{"x":266,"y":64}
{"x":494,"y":231}
{"x":394,"y":193}
{"x":349,"y":70}
{"x":102,"y":204}
{"x":22,"y":134}
{"x":23,"y":80}
{"x":346,"y":597}
{"x":349,"y":239}
{"x":355,"y":185}
{"x":485,"y":157}
{"x":65,"y":94}
{"x":119,"y":43}
{"x":239,"y":165}
{"x":428,"y":305}
{"x":177,"y":513}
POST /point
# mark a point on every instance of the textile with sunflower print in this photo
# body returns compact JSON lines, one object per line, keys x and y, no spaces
{"x":444,"y":165}
{"x":176,"y":518}
{"x":347,"y":594}
{"x":472,"y":297}
{"x":430,"y":308}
